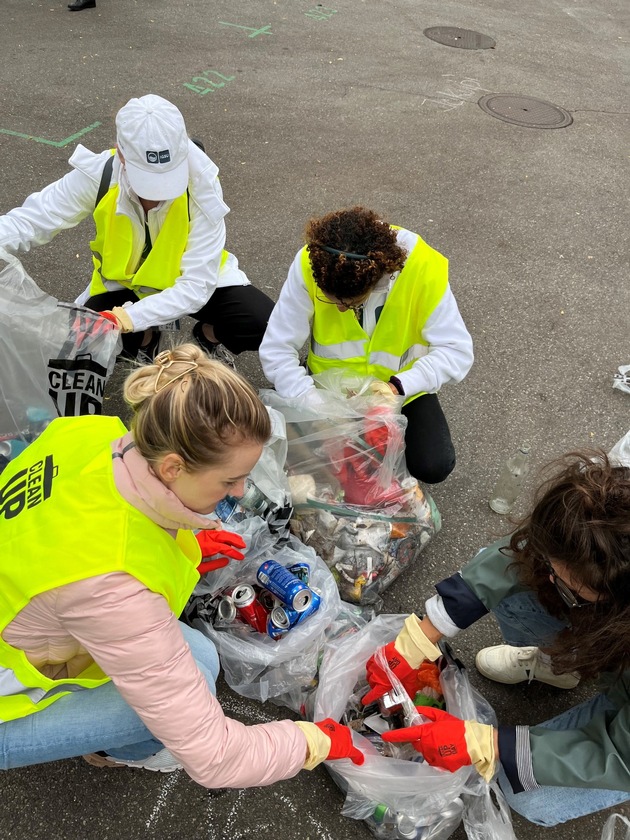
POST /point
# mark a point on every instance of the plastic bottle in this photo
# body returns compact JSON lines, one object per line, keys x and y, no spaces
{"x":511,"y":480}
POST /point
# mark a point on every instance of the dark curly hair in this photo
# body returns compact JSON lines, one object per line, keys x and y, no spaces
{"x":581,"y":519}
{"x":358,"y":231}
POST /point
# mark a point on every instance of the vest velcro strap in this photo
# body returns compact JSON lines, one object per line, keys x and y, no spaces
{"x":341,"y":351}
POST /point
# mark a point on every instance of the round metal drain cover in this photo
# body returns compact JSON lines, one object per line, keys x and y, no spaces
{"x":525,"y":111}
{"x":464,"y":39}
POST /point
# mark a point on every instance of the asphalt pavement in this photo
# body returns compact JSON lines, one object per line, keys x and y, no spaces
{"x":307,"y":108}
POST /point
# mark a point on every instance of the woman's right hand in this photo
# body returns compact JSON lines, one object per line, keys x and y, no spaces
{"x":328,"y":740}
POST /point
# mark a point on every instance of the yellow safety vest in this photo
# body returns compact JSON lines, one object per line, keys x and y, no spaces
{"x":339,"y":341}
{"x":112,"y":249}
{"x":63,"y":520}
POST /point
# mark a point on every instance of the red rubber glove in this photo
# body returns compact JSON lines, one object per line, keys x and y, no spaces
{"x":378,"y":678}
{"x":110,"y":317}
{"x":449,"y":742}
{"x":341,"y":745}
{"x":218,"y":541}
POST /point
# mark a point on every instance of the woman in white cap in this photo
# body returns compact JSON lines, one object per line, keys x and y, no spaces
{"x":158,"y":252}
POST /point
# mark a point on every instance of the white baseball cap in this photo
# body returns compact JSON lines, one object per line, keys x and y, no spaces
{"x":151,"y":135}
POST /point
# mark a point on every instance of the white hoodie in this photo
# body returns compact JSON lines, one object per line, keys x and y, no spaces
{"x":66,"y":202}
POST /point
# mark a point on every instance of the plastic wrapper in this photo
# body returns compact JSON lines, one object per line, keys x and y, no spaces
{"x":621,"y":379}
{"x":620,"y":453}
{"x":433,"y":801}
{"x":616,"y":827}
{"x":255,"y":665}
{"x":354,"y":500}
{"x":56,"y":358}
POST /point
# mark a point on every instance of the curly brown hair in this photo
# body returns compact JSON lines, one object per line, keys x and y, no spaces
{"x":581,"y":519}
{"x":359,"y":231}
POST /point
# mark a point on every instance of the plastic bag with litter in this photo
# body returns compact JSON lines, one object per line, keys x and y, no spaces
{"x":395,"y":795}
{"x":354,"y":500}
{"x":56,"y":359}
{"x":255,"y":665}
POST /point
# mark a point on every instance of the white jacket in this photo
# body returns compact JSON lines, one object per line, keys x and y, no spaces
{"x":449,"y":359}
{"x":66,"y":202}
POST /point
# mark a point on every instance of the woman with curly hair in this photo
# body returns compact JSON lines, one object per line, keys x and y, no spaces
{"x":559,"y":587}
{"x":374,"y":298}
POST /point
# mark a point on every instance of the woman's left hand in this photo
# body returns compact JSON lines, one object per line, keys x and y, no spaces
{"x":224,"y":543}
{"x":449,"y":742}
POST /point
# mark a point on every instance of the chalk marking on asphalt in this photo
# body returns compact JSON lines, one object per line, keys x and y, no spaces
{"x":265,"y":30}
{"x":58,"y":144}
{"x":163,"y":795}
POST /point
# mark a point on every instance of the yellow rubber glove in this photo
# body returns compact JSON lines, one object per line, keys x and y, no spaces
{"x":123,"y":321}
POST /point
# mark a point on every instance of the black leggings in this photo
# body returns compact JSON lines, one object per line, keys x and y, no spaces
{"x":239,"y":315}
{"x":428,"y":446}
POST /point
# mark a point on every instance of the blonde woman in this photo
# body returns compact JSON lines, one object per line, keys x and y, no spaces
{"x":98,"y":560}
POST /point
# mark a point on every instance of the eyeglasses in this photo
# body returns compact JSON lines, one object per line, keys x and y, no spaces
{"x":569,"y":597}
{"x":355,"y":307}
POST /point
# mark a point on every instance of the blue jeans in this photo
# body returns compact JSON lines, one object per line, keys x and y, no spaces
{"x":523,"y":621}
{"x":92,"y":720}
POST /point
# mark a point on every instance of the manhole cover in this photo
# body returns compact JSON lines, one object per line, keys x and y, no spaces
{"x":465,"y":39}
{"x":525,"y":111}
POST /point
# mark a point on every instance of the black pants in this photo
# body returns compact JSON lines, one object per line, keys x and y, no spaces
{"x":428,"y":446}
{"x":239,"y":315}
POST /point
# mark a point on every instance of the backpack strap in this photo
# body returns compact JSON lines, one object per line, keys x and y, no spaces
{"x":106,"y":178}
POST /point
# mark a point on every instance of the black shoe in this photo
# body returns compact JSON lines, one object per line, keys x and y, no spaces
{"x":215,"y":350}
{"x":146,"y":355}
{"x":81,"y":4}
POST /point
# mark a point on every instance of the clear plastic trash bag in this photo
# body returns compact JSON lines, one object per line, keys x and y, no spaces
{"x":56,"y":358}
{"x":353,"y":498}
{"x":255,"y":665}
{"x":614,"y":822}
{"x":433,"y":800}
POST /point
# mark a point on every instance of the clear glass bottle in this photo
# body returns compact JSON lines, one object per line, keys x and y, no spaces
{"x":511,"y":480}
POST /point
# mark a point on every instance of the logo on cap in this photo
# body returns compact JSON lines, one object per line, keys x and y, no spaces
{"x":159,"y":157}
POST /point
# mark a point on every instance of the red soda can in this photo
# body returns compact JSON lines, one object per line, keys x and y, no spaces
{"x":249,"y":607}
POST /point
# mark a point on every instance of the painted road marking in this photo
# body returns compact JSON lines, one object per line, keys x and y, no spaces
{"x":58,"y":144}
{"x":264,"y":31}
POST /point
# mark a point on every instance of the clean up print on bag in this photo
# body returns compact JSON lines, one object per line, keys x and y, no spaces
{"x":76,"y":386}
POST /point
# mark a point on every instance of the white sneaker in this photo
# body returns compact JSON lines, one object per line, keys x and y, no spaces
{"x":161,"y":762}
{"x":510,"y":665}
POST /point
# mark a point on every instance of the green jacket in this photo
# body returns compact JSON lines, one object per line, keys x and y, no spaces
{"x":594,"y":756}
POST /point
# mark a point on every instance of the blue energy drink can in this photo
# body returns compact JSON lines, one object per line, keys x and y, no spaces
{"x":278,"y":623}
{"x":285,"y":586}
{"x":301,"y":570}
{"x":226,"y":508}
{"x":296,"y":618}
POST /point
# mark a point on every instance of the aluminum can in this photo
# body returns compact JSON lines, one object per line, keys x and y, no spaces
{"x":302,"y":571}
{"x":278,"y":623}
{"x":249,"y":607}
{"x":267,"y":599}
{"x":226,"y":609}
{"x":285,"y":586}
{"x":226,"y":508}
{"x":254,"y":499}
{"x":296,"y":617}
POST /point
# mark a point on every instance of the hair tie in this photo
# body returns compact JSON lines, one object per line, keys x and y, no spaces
{"x":347,"y":254}
{"x":164,"y":360}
